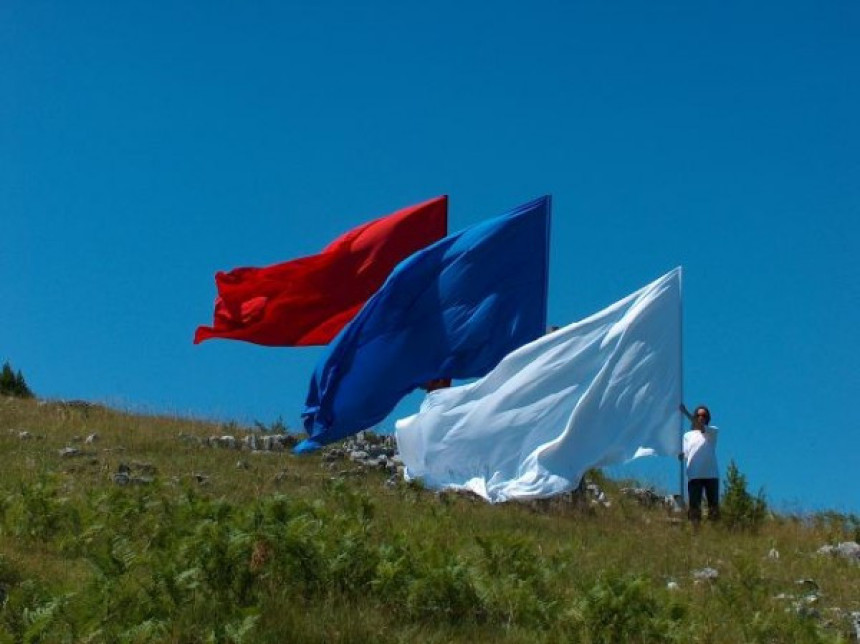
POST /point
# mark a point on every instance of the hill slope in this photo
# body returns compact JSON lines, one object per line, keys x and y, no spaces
{"x":126,"y":528}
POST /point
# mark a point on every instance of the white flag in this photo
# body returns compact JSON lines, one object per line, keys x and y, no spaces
{"x":600,"y":391}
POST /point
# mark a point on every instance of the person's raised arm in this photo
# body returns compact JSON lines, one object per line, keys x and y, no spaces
{"x":685,"y":411}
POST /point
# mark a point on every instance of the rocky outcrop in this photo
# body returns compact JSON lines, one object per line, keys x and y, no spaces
{"x":847,"y":550}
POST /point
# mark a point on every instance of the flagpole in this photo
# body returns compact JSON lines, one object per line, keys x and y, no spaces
{"x":681,"y":376}
{"x":546,"y":265}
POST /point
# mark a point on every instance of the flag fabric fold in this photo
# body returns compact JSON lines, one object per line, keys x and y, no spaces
{"x":307,"y":301}
{"x":452,"y":310}
{"x":600,"y":391}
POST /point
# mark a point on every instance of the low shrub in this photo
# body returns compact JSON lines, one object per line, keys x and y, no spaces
{"x":740,"y":510}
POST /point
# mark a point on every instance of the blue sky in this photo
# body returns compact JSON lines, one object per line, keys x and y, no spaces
{"x":146,"y":145}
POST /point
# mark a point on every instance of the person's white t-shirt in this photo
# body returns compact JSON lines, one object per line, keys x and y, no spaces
{"x":700,"y":453}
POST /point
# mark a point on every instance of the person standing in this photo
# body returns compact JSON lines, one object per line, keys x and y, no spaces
{"x":700,"y":458}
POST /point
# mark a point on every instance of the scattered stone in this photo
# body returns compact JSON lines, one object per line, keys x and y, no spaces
{"x":380,"y":463}
{"x":773,"y":554}
{"x":597,"y":496}
{"x":69,"y":452}
{"x":809,"y":584}
{"x":849,"y":550}
{"x":202,"y":479}
{"x":855,"y":622}
{"x":646,"y":497}
{"x":92,"y":438}
{"x":144,"y":468}
{"x":804,"y":610}
{"x":25,"y":435}
{"x":124,"y":476}
{"x":673,"y":585}
{"x":705,"y":574}
{"x":358,"y":455}
{"x":393,"y":481}
{"x":250,"y":442}
{"x":803,"y":605}
{"x":242,"y":465}
{"x":332,"y":455}
{"x":276,"y":443}
{"x":228,"y":442}
{"x":811,"y":598}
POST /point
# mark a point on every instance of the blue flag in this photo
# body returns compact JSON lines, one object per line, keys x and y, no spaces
{"x":451,"y":310}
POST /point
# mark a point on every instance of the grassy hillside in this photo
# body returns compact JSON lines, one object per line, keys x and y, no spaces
{"x":145,"y":533}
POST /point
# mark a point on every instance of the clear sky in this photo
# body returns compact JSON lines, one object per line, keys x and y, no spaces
{"x":144,"y":145}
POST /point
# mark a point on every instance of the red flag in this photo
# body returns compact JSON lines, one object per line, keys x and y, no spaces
{"x":307,"y":301}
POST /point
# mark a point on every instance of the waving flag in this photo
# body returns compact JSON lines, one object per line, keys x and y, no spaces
{"x":600,"y":391}
{"x":307,"y":301}
{"x":452,"y":310}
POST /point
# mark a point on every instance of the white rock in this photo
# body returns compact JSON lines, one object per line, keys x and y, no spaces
{"x":847,"y":550}
{"x":855,"y":620}
{"x":705,"y":574}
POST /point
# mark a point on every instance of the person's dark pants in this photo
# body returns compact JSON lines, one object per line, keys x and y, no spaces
{"x":711,"y":489}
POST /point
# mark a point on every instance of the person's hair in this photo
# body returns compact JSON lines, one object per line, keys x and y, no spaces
{"x":704,"y":409}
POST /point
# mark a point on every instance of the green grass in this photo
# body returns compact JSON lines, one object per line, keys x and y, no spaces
{"x":287,"y":549}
